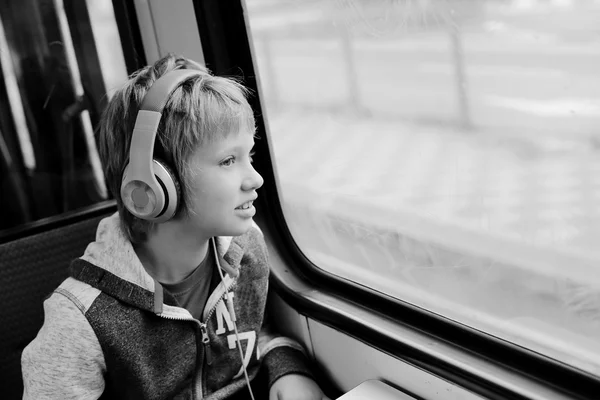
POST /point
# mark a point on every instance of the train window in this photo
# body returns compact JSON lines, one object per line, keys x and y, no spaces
{"x":445,"y":153}
{"x":58,"y":60}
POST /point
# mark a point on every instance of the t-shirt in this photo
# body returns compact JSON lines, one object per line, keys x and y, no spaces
{"x":192,"y":292}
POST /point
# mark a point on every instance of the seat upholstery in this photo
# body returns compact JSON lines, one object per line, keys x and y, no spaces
{"x":30,"y":268}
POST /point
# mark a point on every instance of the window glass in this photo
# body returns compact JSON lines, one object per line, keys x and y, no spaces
{"x":446,"y":153}
{"x":58,"y":62}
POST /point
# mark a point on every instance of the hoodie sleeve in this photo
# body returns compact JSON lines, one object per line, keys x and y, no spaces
{"x":280,"y":355}
{"x":65,"y":360}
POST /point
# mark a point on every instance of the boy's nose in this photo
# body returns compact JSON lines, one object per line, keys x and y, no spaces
{"x":253,"y":181}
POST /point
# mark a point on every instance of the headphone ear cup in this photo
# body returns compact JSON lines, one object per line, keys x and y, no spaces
{"x":171,"y":189}
{"x":138,"y":197}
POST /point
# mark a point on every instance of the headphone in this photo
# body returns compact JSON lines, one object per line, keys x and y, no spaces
{"x":149,"y":189}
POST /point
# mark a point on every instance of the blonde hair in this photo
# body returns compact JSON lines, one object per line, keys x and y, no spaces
{"x":202,"y":109}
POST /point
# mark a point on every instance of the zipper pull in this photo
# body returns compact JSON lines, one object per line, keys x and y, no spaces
{"x":206,"y":343}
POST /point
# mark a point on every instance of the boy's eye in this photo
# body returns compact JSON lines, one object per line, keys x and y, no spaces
{"x":251,"y":156}
{"x":229,"y":161}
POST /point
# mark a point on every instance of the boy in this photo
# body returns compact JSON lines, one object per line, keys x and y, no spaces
{"x":169,"y":301}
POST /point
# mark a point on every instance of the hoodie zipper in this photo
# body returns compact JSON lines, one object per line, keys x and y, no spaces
{"x":206,"y":343}
{"x":204,"y":338}
{"x":203,"y":325}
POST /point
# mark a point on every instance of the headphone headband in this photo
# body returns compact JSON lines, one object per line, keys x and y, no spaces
{"x":141,"y":192}
{"x":160,"y":92}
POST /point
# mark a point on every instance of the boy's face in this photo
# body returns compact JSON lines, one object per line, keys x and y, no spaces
{"x":223,"y":186}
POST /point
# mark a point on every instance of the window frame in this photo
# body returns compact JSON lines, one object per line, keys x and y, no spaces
{"x":227,"y":48}
{"x":129,"y":33}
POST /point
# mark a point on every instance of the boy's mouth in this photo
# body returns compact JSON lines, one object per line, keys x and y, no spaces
{"x":245,"y":206}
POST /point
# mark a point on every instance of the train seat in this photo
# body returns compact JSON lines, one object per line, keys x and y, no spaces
{"x":30,"y":269}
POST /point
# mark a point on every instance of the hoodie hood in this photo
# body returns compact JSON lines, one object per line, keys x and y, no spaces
{"x":113,"y":252}
{"x":111,"y":264}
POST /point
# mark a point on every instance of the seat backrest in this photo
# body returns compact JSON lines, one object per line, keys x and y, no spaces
{"x":30,"y":269}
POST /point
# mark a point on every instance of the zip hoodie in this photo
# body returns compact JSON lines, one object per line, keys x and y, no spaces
{"x":110,"y":331}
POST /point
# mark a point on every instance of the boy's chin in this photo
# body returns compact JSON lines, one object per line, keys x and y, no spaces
{"x":233,"y":228}
{"x":238,"y":230}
